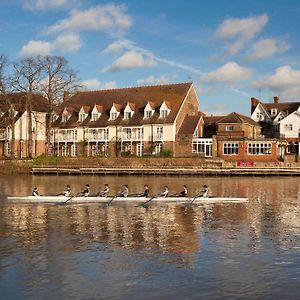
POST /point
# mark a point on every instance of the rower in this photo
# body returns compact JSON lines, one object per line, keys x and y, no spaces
{"x":105,"y":192}
{"x":35,"y":192}
{"x":66,"y":192}
{"x":204,"y":192}
{"x":86,"y":191}
{"x":183,"y":193}
{"x":124,"y":192}
{"x":165,"y":193}
{"x":146,"y":191}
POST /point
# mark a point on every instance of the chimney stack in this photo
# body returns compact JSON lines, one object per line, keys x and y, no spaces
{"x":276,"y":99}
{"x":254,"y":103}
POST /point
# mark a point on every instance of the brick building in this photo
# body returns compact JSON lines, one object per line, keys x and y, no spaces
{"x":136,"y":121}
{"x":280,"y":120}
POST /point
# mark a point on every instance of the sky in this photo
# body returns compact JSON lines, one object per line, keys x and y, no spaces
{"x":231,"y":50}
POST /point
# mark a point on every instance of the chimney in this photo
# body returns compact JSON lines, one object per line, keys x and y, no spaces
{"x":66,"y":96}
{"x":276,"y":99}
{"x":254,"y":103}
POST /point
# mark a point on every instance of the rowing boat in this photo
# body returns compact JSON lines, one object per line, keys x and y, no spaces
{"x":81,"y":199}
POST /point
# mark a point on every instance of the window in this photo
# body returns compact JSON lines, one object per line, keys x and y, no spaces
{"x":128,"y":133}
{"x":230,"y":148}
{"x":82,"y":117}
{"x":74,"y":150}
{"x":273,"y":112}
{"x":95,"y":134}
{"x":113,"y":115}
{"x":127,"y":115}
{"x":54,"y":118}
{"x":95,"y":116}
{"x":158,"y":148}
{"x":148,"y":114}
{"x":288,"y":127}
{"x":140,"y":133}
{"x":159,"y":132}
{"x":64,"y":118}
{"x":230,"y":128}
{"x":163,"y":113}
{"x":259,"y":148}
{"x":259,"y":116}
{"x":106,"y":134}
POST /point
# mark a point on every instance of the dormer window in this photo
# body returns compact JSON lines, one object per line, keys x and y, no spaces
{"x":273,"y":111}
{"x":96,"y":112}
{"x":82,"y":117}
{"x":64,"y":118}
{"x":127,"y":115}
{"x":113,"y":115}
{"x":164,"y":110}
{"x":54,"y":117}
{"x":114,"y":112}
{"x":129,"y":110}
{"x":149,"y":110}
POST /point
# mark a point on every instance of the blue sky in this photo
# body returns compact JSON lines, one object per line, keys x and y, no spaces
{"x":231,"y":50}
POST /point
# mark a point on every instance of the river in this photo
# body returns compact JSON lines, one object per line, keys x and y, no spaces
{"x":167,"y":251}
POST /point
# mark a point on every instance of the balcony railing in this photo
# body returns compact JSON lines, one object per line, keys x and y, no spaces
{"x":62,"y":138}
{"x":132,"y":137}
{"x":97,"y":137}
{"x":158,"y":137}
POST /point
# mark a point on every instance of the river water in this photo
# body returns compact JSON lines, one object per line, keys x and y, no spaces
{"x":167,"y":251}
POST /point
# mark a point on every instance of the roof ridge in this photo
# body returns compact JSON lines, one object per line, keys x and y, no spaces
{"x":138,"y":86}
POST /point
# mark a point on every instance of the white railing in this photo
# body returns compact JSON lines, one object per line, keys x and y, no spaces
{"x":158,"y":137}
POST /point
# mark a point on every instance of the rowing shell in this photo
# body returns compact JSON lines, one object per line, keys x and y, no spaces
{"x":62,"y":199}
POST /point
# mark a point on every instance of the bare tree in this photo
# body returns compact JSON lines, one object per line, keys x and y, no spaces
{"x":8,"y":120}
{"x":58,"y":81}
{"x":26,"y":79}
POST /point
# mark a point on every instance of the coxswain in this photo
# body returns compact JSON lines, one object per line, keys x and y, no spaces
{"x":35,"y":192}
{"x":124,"y":192}
{"x":105,"y":191}
{"x":165,"y":193}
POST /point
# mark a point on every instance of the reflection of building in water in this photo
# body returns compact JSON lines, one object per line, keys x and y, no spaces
{"x":170,"y":228}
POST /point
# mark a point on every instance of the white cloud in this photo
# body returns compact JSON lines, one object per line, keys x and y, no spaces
{"x":67,"y":42}
{"x":239,"y":31}
{"x":266,"y":48}
{"x":131,"y":60}
{"x":285,"y":81}
{"x":47,"y":4}
{"x":108,"y":18}
{"x":94,"y":84}
{"x":153,"y":80}
{"x":118,"y":45}
{"x":129,"y":45}
{"x":35,"y":48}
{"x":228,"y":73}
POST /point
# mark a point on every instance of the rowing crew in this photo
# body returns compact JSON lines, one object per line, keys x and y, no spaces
{"x":86,"y":192}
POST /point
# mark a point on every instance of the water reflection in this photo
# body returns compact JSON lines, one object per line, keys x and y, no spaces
{"x":121,"y":251}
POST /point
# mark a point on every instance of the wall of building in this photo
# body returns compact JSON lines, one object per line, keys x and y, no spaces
{"x":250,"y":131}
{"x":294,"y":120}
{"x":243,"y":154}
{"x":190,"y":106}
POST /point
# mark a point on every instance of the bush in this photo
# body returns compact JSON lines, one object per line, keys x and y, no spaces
{"x":45,"y":160}
{"x":166,"y":153}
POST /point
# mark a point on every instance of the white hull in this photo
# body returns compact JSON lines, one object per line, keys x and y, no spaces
{"x":63,"y":199}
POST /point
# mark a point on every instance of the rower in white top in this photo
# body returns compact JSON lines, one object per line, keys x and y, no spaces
{"x":204,"y":193}
{"x":85,"y":192}
{"x":124,"y":192}
{"x":35,"y":192}
{"x":66,"y":192}
{"x":105,"y":191}
{"x":165,"y":193}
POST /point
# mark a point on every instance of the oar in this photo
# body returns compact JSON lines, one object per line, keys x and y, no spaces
{"x":191,"y":202}
{"x":71,"y":198}
{"x":148,"y":201}
{"x":111,"y":200}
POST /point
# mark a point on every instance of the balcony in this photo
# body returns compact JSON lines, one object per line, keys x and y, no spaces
{"x":100,"y":137}
{"x":158,"y":137}
{"x":230,"y":135}
{"x":132,"y":137}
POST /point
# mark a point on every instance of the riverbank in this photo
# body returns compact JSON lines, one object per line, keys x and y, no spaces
{"x":144,"y":166}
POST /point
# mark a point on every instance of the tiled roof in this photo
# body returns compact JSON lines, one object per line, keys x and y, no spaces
{"x":18,"y":100}
{"x":189,"y":124}
{"x":155,"y":95}
{"x":237,"y":118}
